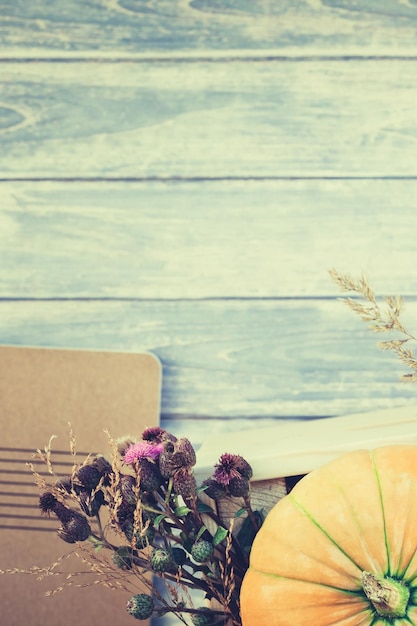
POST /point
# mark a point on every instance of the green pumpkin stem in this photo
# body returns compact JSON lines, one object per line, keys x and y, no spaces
{"x":388,"y":597}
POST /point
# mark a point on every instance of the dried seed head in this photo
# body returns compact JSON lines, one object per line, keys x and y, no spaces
{"x":202,"y":551}
{"x":65,"y":484}
{"x":185,"y":448}
{"x":161,"y":560}
{"x":89,"y":476}
{"x":104,"y":467}
{"x":149,"y":475}
{"x":243,"y":467}
{"x":156,"y":435}
{"x":176,"y":455}
{"x":123,"y":513}
{"x":62,"y":512}
{"x":231,"y":466}
{"x":75,"y":528}
{"x":238,"y":487}
{"x":47,"y":502}
{"x":140,"y":606}
{"x":78,"y":527}
{"x":184,"y":483}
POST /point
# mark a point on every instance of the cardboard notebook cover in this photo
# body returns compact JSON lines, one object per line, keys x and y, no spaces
{"x":42,"y":390}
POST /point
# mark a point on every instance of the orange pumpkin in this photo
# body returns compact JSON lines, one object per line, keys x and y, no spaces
{"x":341,"y":548}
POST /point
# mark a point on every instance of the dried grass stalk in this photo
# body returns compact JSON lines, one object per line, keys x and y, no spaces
{"x":382,"y":316}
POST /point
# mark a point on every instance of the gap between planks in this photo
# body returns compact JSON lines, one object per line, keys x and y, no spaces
{"x":200,"y":179}
{"x":199,"y":56}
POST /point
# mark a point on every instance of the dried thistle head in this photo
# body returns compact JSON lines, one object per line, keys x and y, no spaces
{"x":184,"y":484}
{"x":156,"y":434}
{"x":176,"y":455}
{"x":75,"y":528}
{"x":232,"y":472}
{"x":47,"y":502}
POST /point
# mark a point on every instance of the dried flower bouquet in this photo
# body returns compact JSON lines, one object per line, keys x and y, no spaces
{"x":142,"y":516}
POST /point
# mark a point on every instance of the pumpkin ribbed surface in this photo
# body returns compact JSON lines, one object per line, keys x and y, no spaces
{"x":352,"y":519}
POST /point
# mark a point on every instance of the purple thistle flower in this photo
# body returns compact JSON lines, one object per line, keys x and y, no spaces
{"x":142,"y":450}
{"x":227,"y":468}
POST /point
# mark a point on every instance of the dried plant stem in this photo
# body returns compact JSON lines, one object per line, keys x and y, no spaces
{"x":381,"y":317}
{"x":248,"y":507}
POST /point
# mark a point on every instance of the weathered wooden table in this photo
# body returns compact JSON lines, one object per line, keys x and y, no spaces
{"x":179,"y":176}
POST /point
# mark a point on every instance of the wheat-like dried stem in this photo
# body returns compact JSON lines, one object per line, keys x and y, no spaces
{"x":381,"y":318}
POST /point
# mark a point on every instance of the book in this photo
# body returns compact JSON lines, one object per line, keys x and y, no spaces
{"x":48,"y":393}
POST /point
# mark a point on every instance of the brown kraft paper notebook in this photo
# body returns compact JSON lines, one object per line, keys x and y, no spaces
{"x":42,"y":390}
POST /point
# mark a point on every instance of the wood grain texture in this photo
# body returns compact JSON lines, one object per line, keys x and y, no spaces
{"x":204,"y":120}
{"x":140,"y":27}
{"x":230,"y":239}
{"x":231,"y":360}
{"x":305,"y":109}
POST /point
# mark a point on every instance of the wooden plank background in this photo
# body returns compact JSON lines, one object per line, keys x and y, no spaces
{"x":179,"y":176}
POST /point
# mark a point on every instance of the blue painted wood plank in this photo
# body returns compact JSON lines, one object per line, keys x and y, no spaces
{"x":128,"y":27}
{"x":199,"y":120}
{"x":231,"y":359}
{"x":229,"y":239}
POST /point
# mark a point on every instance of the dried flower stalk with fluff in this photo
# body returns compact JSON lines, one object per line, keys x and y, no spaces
{"x":382,"y":317}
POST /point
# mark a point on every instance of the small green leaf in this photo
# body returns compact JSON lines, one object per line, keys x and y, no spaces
{"x":220,"y":535}
{"x":200,"y":532}
{"x":158,"y":519}
{"x":182,"y":511}
{"x":98,"y":545}
{"x":241,"y":512}
{"x":203,"y":508}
